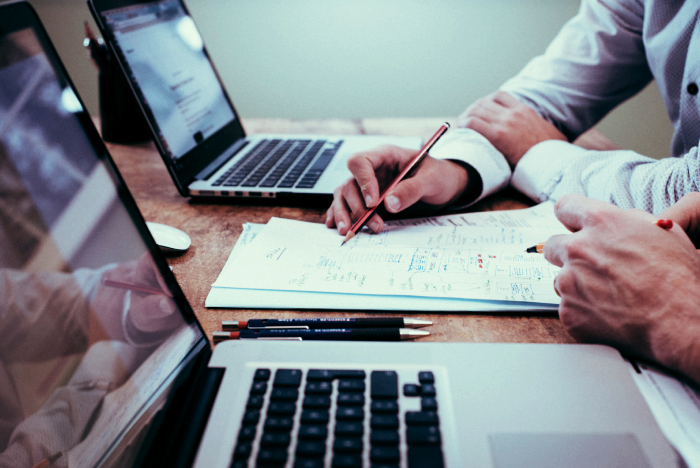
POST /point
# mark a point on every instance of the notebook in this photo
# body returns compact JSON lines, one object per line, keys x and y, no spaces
{"x":194,"y":124}
{"x":104,"y":364}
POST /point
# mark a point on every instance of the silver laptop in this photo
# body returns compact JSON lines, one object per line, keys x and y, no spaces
{"x":194,"y":124}
{"x":104,"y":364}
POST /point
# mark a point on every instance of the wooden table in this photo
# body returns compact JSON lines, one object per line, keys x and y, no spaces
{"x":215,"y":227}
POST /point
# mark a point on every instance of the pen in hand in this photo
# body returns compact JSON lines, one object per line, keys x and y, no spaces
{"x":362,"y":220}
{"x":665,"y":224}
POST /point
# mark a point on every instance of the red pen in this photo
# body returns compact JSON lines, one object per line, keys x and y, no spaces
{"x":412,"y":164}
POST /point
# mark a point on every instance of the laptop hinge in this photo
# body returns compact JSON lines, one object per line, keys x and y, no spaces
{"x":174,"y":437}
{"x":221,"y":160}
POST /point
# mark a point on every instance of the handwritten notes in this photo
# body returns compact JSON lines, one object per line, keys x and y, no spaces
{"x":476,"y":256}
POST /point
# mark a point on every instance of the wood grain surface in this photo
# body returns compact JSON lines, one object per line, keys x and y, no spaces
{"x":215,"y":226}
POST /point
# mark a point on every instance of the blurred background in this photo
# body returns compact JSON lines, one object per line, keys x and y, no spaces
{"x":307,"y":59}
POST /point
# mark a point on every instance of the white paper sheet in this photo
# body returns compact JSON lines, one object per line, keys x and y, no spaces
{"x":426,"y":264}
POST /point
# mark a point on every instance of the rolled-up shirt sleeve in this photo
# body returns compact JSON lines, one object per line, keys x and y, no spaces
{"x":469,"y":147}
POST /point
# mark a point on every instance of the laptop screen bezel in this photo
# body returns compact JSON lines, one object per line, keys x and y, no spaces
{"x":184,"y":169}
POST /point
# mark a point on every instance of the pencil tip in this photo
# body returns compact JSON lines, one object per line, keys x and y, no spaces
{"x":532,"y":249}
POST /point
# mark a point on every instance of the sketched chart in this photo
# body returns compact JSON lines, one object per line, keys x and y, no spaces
{"x":466,"y":262}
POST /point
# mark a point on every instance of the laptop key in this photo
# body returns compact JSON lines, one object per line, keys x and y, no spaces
{"x":287,"y":378}
{"x":254,"y":402}
{"x":347,"y":461}
{"x":347,"y":445}
{"x":331,"y":374}
{"x":308,"y":463}
{"x":422,"y":456}
{"x":384,"y":422}
{"x":384,"y":437}
{"x":384,"y":384}
{"x":287,"y":394}
{"x":313,"y":432}
{"x":281,"y":408}
{"x":275,"y":439}
{"x":411,"y":390}
{"x":427,"y":390}
{"x":262,"y":374}
{"x":314,"y":417}
{"x":349,"y":413}
{"x":319,"y":388}
{"x":386,"y":454}
{"x":251,"y":417}
{"x":428,"y":404}
{"x":242,"y":451}
{"x":278,"y":424}
{"x":343,"y":428}
{"x":423,"y":435}
{"x":351,"y":399}
{"x":247,"y":433}
{"x":317,"y":402}
{"x":258,"y":388}
{"x":272,"y":457}
{"x":426,"y":377}
{"x":311,"y":449}
{"x":422,"y":418}
{"x":351,"y":386}
{"x":385,"y":407}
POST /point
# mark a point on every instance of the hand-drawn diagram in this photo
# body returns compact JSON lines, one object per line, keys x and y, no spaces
{"x":453,"y":261}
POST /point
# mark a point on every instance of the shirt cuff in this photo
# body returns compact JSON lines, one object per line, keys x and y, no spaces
{"x":467,"y":146}
{"x":540,"y":170}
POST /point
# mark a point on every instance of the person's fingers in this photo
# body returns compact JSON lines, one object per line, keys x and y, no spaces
{"x":405,"y":194}
{"x":480,"y":126}
{"x":505,"y":99}
{"x":685,"y":212}
{"x":555,"y":249}
{"x":366,"y":165}
{"x":576,"y":211}
{"x":341,"y":214}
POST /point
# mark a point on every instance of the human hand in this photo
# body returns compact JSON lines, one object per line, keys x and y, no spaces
{"x":147,"y":312}
{"x":435,"y":182}
{"x":511,"y":126}
{"x":628,"y":283}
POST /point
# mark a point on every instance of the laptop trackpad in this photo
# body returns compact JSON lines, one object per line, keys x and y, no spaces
{"x":567,"y":451}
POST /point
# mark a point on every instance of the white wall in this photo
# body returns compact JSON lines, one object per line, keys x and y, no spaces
{"x":369,"y":58}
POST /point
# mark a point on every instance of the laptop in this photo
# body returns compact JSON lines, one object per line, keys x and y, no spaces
{"x":104,"y":363}
{"x":194,"y":124}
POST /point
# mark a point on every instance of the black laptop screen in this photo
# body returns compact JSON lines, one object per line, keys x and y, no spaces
{"x":90,"y":327}
{"x":165,"y":56}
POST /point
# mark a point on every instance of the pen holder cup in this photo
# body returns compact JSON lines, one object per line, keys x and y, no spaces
{"x":122,"y":119}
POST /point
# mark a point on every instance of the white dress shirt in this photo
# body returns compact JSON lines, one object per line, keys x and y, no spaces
{"x":607,"y":53}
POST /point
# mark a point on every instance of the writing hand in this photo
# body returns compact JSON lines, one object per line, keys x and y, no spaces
{"x":511,"y":126}
{"x":435,"y":182}
{"x":627,"y":283}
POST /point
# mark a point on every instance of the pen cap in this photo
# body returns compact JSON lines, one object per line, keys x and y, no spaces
{"x":122,"y":119}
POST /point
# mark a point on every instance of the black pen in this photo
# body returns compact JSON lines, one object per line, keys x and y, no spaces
{"x":335,"y":334}
{"x":314,"y":323}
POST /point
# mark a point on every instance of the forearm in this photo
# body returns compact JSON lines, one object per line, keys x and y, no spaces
{"x":624,"y":178}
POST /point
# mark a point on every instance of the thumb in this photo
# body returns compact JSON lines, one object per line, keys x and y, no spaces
{"x":685,"y":213}
{"x":405,"y":194}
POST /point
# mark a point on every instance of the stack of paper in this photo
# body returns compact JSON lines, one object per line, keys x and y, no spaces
{"x":465,"y":262}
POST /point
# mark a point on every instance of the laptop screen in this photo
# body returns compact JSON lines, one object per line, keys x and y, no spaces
{"x":165,"y":56}
{"x":91,"y":333}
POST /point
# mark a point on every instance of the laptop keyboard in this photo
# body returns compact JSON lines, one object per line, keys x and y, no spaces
{"x":268,"y":164}
{"x":338,"y":418}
